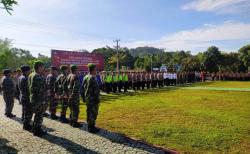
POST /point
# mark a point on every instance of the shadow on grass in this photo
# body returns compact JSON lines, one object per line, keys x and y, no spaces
{"x":4,"y":148}
{"x":200,"y":84}
{"x":109,"y":98}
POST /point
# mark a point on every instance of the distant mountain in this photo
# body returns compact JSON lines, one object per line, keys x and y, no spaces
{"x":142,"y":51}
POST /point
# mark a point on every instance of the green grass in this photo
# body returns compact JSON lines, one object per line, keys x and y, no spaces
{"x":225,"y":84}
{"x":188,"y":121}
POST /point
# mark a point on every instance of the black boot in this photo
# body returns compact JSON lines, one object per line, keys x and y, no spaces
{"x":76,"y":124}
{"x":63,"y":119}
{"x":45,"y":114}
{"x":10,"y":115}
{"x":53,"y":116}
{"x":93,"y":129}
{"x":27,"y":127}
{"x":37,"y":131}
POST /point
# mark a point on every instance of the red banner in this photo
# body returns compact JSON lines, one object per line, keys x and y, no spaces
{"x":81,"y":59}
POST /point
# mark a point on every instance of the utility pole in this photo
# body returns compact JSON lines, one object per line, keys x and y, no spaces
{"x":117,"y":53}
{"x":151,"y":63}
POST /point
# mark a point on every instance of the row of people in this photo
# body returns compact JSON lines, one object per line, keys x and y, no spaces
{"x":116,"y":81}
{"x":230,"y":76}
{"x":39,"y":91}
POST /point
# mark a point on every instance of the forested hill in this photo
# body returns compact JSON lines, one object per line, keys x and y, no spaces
{"x":143,"y":51}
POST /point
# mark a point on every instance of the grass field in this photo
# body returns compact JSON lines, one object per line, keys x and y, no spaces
{"x":185,"y":120}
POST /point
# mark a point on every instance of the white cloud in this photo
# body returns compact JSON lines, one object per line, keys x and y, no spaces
{"x":225,"y":31}
{"x":35,"y":37}
{"x":219,"y":6}
{"x":200,"y":38}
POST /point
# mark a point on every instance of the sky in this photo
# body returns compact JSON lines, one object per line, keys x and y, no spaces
{"x":193,"y":25}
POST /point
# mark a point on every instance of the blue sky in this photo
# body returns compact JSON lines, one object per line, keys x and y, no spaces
{"x":40,"y":26}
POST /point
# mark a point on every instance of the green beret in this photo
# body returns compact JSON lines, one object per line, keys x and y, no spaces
{"x":73,"y":67}
{"x":63,"y":67}
{"x":91,"y":65}
{"x":38,"y":64}
{"x":25,"y":68}
{"x":6,"y":71}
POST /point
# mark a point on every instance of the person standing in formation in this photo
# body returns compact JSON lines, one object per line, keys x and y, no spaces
{"x":37,"y":90}
{"x":50,"y":83}
{"x":8,"y":87}
{"x":73,"y":84}
{"x":61,"y":93}
{"x":25,"y":98}
{"x":92,"y":94}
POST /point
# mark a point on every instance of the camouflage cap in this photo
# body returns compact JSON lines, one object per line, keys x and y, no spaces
{"x":73,"y":67}
{"x":63,"y":67}
{"x":38,"y":64}
{"x":25,"y":68}
{"x":91,"y":65}
{"x":6,"y":71}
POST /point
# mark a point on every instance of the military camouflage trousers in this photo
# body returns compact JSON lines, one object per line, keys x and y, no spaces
{"x":52,"y":105}
{"x":38,"y":108}
{"x":27,"y":111}
{"x":74,"y":108}
{"x":64,"y":103}
{"x":92,"y":112}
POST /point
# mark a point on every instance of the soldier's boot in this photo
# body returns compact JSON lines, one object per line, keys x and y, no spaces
{"x":93,"y":129}
{"x":63,"y":119}
{"x":45,"y":114}
{"x":38,"y":131}
{"x":76,"y":124}
{"x":53,"y":116}
{"x":10,"y":115}
{"x":27,"y":127}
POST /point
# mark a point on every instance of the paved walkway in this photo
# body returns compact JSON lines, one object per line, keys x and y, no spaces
{"x":62,"y":138}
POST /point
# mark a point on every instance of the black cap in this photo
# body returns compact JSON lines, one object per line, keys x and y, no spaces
{"x":6,"y":71}
{"x":53,"y":68}
{"x":63,"y":67}
{"x":38,"y":64}
{"x":25,"y":68}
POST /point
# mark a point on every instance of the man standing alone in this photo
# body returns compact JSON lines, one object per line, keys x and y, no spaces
{"x":92,"y":94}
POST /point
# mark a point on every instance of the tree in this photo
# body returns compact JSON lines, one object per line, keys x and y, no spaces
{"x":244,"y":56}
{"x":139,"y":63}
{"x":143,"y":51}
{"x":8,"y":5}
{"x":191,"y":63}
{"x":211,"y":59}
{"x":107,"y":52}
{"x":7,"y":57}
{"x":125,"y":58}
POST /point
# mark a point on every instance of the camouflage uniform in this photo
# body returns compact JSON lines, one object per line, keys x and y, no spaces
{"x":50,"y":82}
{"x":92,"y":93}
{"x":37,"y":89}
{"x":8,"y":88}
{"x":60,"y":89}
{"x":73,"y":83}
{"x":25,"y":99}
